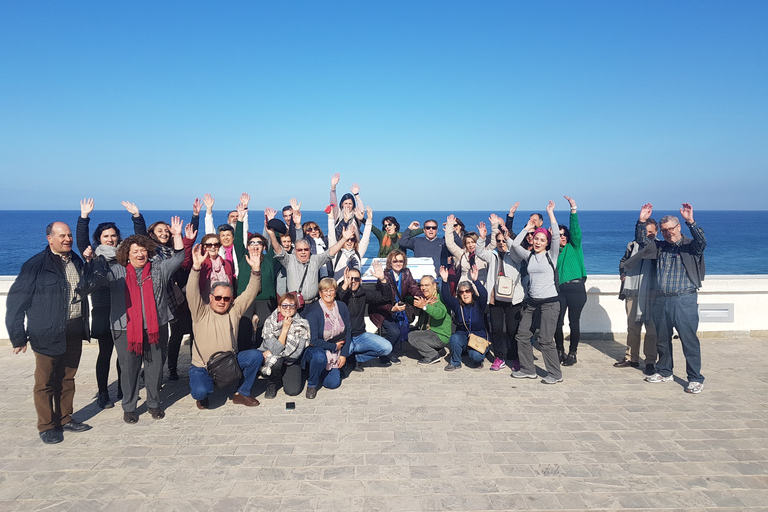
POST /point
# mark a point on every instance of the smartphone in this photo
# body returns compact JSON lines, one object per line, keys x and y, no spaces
{"x":400,"y":304}
{"x":289,"y":406}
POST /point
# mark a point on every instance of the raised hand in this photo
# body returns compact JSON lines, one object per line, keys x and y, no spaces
{"x":495,"y":220}
{"x":88,"y":254}
{"x":377,"y":271}
{"x":414,"y":225}
{"x":132,"y":208}
{"x":208,"y":200}
{"x":348,"y":232}
{"x":451,"y":219}
{"x":687,"y":212}
{"x":190,"y":232}
{"x":176,"y":225}
{"x":355,"y":189}
{"x":530,"y":226}
{"x":482,"y":230}
{"x":347,"y":214}
{"x":474,"y":272}
{"x":254,"y":260}
{"x":197,"y":206}
{"x":269,"y":213}
{"x":513,"y":209}
{"x":571,"y":202}
{"x":297,"y":217}
{"x":420,"y":302}
{"x":645,"y":212}
{"x":295,"y":204}
{"x":199,"y":255}
{"x":86,"y":207}
{"x":245,"y":199}
{"x":359,"y":214}
{"x":369,"y":211}
{"x":242,"y":209}
{"x":443,"y":273}
{"x":335,"y":180}
{"x":550,"y":207}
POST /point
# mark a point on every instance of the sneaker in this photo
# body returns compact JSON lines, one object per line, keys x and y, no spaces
{"x":358,"y":367}
{"x":449,"y":367}
{"x":271,"y":390}
{"x":517,"y":374}
{"x":694,"y":387}
{"x":498,"y":364}
{"x":430,"y":360}
{"x":551,"y":380}
{"x":570,"y":359}
{"x":394,"y":359}
{"x":656,"y":377}
{"x":385,"y":362}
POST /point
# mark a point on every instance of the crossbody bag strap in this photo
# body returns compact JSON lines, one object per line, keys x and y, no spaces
{"x":306,"y":269}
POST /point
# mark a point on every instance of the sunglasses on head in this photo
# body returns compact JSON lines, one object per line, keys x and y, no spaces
{"x":219,"y":298}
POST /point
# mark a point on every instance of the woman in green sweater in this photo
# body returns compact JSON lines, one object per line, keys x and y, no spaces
{"x":573,"y":292}
{"x":389,"y":239}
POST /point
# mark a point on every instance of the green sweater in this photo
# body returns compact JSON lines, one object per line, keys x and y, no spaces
{"x":570,"y":261}
{"x":439,"y":320}
{"x":387,"y":242}
{"x":268,"y":261}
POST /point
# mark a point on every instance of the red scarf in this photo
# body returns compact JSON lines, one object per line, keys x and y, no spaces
{"x":134,"y":296}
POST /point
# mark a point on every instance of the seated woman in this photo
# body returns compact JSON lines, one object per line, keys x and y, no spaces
{"x":389,"y":239}
{"x":468,"y":316}
{"x":331,"y":337}
{"x":215,"y":268}
{"x":352,"y":252}
{"x":286,"y":335}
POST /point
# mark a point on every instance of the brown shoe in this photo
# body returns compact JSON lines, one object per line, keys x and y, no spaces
{"x":624,"y":363}
{"x":245,"y":400}
{"x":311,"y":393}
{"x":202,"y":404}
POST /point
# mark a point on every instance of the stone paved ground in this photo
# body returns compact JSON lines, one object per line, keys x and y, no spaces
{"x":411,"y":438}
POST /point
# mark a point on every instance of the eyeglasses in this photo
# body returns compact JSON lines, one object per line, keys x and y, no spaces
{"x":430,"y":227}
{"x":211,"y":245}
{"x":562,"y":234}
{"x":462,"y":292}
{"x":219,"y":298}
{"x":397,"y":261}
{"x":254,"y":243}
{"x":668,"y":230}
{"x":313,"y":228}
{"x":388,"y":225}
{"x":302,"y":250}
{"x":354,"y":279}
{"x":328,"y":291}
{"x":288,"y":306}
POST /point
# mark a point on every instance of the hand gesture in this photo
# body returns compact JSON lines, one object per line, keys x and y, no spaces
{"x":297,"y":217}
{"x":369,"y":211}
{"x":482,"y":230}
{"x":197,"y":206}
{"x":245,"y":199}
{"x":414,"y":225}
{"x":132,"y":208}
{"x":198,"y":256}
{"x":346,"y":284}
{"x":474,"y":272}
{"x":335,"y":180}
{"x":355,"y":189}
{"x":443,"y":273}
{"x":450,"y":220}
{"x":287,"y":321}
{"x":346,"y":213}
{"x":86,"y":207}
{"x":513,"y":209}
{"x":295,"y":204}
{"x":571,"y":202}
{"x":530,"y":226}
{"x":687,"y":212}
{"x":254,"y":260}
{"x":397,"y":308}
{"x":503,"y":229}
{"x":377,"y":271}
{"x":420,"y":302}
{"x":190,"y":232}
{"x":269,"y":213}
{"x":550,"y":207}
{"x":359,"y":214}
{"x":208,"y":200}
{"x":176,"y":225}
{"x":88,"y":254}
{"x":241,"y":211}
{"x":495,"y":220}
{"x":645,"y":212}
{"x":348,"y":232}
{"x":342,"y":361}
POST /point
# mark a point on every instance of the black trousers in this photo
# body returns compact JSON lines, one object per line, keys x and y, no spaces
{"x":573,"y":296}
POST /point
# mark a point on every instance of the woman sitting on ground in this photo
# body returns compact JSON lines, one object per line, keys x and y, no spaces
{"x":286,"y":335}
{"x":468,"y":317}
{"x":331,"y":337}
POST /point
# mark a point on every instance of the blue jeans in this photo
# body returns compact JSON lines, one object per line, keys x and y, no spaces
{"x":682,"y":313}
{"x":369,"y":346}
{"x":458,"y":342}
{"x":201,"y":384}
{"x":315,"y":358}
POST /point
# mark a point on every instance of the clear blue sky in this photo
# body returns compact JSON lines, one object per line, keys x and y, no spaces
{"x":428,"y":105}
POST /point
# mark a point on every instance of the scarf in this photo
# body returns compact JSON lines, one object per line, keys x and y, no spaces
{"x":109,"y":252}
{"x":218,"y":273}
{"x":136,"y":294}
{"x":228,"y":253}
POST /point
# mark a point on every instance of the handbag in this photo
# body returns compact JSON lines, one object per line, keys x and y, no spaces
{"x":505,"y":287}
{"x":222,"y":366}
{"x":474,"y":341}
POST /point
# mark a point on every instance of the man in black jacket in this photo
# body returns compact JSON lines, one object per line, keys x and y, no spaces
{"x":365,"y":345}
{"x":45,"y":292}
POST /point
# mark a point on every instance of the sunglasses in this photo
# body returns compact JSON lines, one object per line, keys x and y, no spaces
{"x":398,"y":261}
{"x":354,"y":279}
{"x":288,"y":306}
{"x":388,"y":225}
{"x":465,"y":291}
{"x":219,"y":298}
{"x":430,"y":227}
{"x":302,"y":250}
{"x":313,"y":228}
{"x":211,"y":245}
{"x":254,"y":243}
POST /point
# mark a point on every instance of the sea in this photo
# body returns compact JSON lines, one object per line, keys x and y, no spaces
{"x":605,"y":233}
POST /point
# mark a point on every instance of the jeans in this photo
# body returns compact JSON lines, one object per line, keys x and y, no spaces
{"x":316,"y":360}
{"x":458,"y":342}
{"x":390,"y":330}
{"x":573,"y":297}
{"x":201,"y":383}
{"x":369,"y":346}
{"x":682,"y":313}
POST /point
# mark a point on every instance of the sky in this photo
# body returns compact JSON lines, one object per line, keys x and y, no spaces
{"x":427,"y":105}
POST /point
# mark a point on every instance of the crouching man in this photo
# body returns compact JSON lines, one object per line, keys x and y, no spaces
{"x":215,"y":325}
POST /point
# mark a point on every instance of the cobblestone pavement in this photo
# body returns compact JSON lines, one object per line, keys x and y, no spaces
{"x":411,"y":438}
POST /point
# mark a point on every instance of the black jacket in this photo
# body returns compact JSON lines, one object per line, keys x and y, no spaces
{"x":40,"y":294}
{"x":356,"y":301}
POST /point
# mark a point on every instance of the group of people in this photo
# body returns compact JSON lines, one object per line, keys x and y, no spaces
{"x":288,"y":303}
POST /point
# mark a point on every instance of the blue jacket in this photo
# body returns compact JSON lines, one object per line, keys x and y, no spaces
{"x":474,"y":315}
{"x":40,"y":293}
{"x":316,"y":320}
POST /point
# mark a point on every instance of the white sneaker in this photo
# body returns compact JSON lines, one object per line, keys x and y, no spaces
{"x":694,"y":387}
{"x":656,"y":377}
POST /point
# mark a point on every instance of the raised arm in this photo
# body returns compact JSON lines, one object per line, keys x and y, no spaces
{"x":573,"y":224}
{"x":194,"y":299}
{"x":450,"y":241}
{"x":83,"y":236}
{"x":366,"y":238}
{"x":641,"y":235}
{"x":511,"y":216}
{"x":334,"y":202}
{"x":244,"y":200}
{"x":331,"y":229}
{"x":139,"y":226}
{"x":699,"y":240}
{"x":554,"y":246}
{"x":345,"y":235}
{"x":210,"y":229}
{"x":406,"y":241}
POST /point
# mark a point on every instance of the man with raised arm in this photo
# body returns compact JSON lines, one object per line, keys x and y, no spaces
{"x":679,"y":273}
{"x":45,"y":294}
{"x":431,"y":246}
{"x":216,"y":326}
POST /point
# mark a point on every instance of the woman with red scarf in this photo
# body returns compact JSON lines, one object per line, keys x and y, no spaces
{"x":139,"y":313}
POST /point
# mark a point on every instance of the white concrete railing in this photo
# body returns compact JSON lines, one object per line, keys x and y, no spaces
{"x":729,"y":305}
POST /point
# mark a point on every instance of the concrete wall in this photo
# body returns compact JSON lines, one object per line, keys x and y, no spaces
{"x":729,"y":305}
